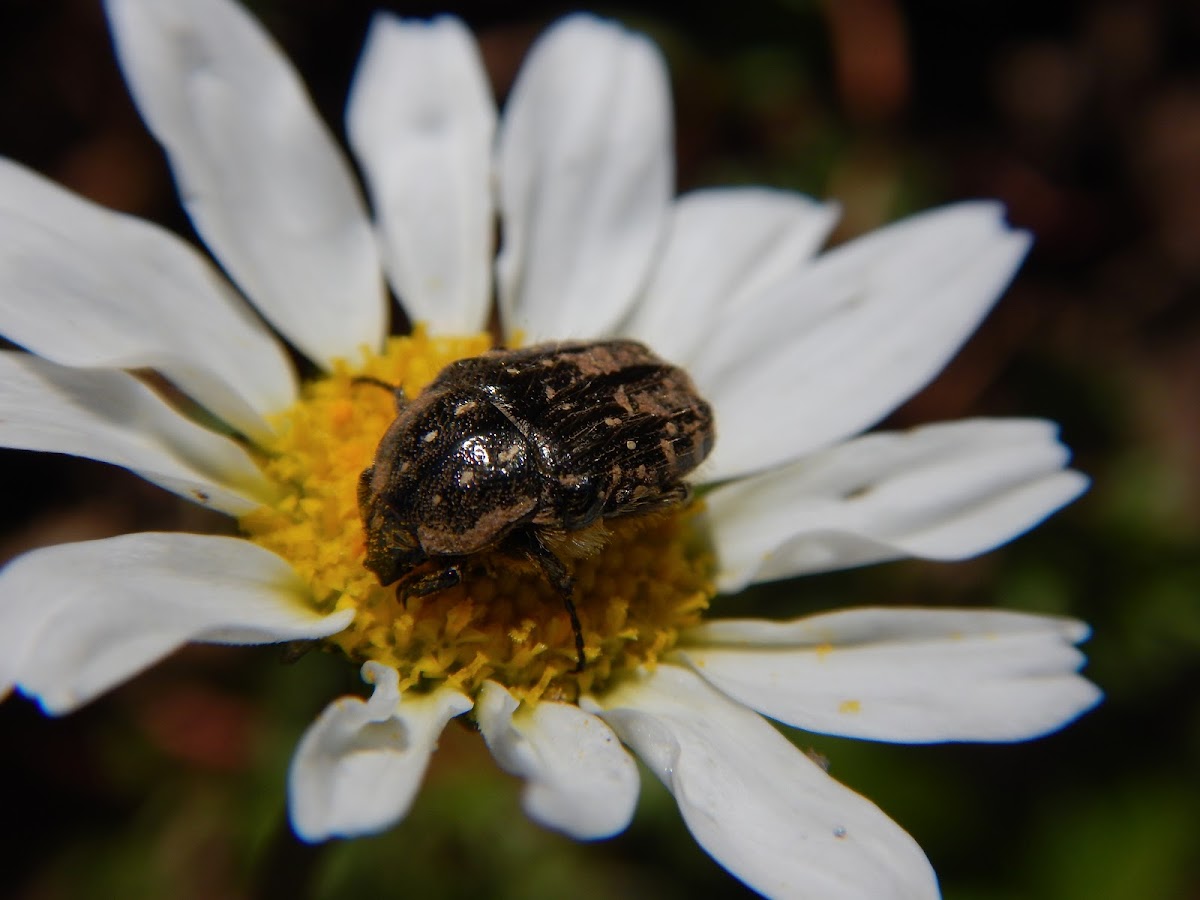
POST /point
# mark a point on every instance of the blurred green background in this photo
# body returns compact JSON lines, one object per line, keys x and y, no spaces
{"x":1084,"y":118}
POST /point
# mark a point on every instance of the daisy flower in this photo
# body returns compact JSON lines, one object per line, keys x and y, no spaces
{"x":797,"y":353}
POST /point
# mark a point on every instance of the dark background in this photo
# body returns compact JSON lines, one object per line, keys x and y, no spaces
{"x":1083,"y":117}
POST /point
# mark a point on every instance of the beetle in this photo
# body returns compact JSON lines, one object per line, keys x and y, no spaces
{"x":523,"y":451}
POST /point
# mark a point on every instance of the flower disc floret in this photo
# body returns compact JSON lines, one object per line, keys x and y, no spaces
{"x":637,"y":581}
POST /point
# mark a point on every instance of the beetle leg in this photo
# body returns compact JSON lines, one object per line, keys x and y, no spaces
{"x":435,"y":581}
{"x":530,"y":544}
{"x":668,"y":498}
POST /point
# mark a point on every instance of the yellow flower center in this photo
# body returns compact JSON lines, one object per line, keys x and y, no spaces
{"x":637,"y":581}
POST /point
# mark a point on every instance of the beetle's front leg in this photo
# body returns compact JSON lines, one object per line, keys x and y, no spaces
{"x":446,"y":577}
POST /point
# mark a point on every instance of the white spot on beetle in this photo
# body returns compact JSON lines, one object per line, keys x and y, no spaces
{"x":631,"y":445}
{"x":430,"y":436}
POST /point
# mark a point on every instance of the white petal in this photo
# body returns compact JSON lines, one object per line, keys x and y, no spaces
{"x":109,"y":415}
{"x":579,"y":779}
{"x":586,"y":170}
{"x":78,"y":619}
{"x":358,"y":767}
{"x":421,"y":121}
{"x":259,"y":173}
{"x":946,"y":492}
{"x":85,"y":286}
{"x":765,"y":811}
{"x":908,"y":675}
{"x":724,"y":246}
{"x":827,"y":353}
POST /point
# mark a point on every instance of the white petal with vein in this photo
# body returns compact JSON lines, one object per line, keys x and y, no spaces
{"x":79,"y":619}
{"x":828,"y":352}
{"x":359,"y":765}
{"x":421,"y":121}
{"x":724,"y":246}
{"x":85,"y":286}
{"x":907,"y":675}
{"x":765,"y":811}
{"x":585,"y":178}
{"x":258,"y":172}
{"x":108,"y":415}
{"x":945,"y":491}
{"x":579,"y":779}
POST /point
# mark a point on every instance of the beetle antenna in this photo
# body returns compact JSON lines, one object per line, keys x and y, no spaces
{"x":396,"y":390}
{"x":371,"y":379}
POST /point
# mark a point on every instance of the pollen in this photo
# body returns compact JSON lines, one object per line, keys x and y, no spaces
{"x":638,"y":580}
